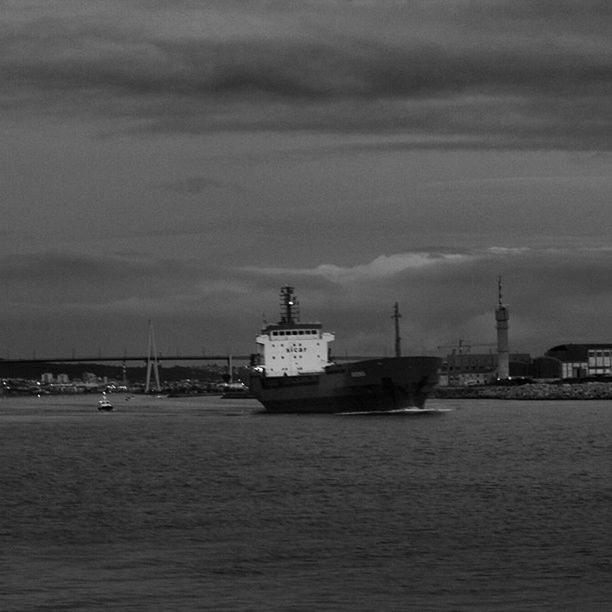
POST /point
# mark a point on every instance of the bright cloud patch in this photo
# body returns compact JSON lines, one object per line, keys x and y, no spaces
{"x":382,"y":267}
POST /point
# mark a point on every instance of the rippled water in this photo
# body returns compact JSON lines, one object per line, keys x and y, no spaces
{"x":205,"y":504}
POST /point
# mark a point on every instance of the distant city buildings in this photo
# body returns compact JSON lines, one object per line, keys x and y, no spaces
{"x":47,"y":378}
{"x":207,"y":379}
{"x":563,"y":362}
{"x":461,"y":369}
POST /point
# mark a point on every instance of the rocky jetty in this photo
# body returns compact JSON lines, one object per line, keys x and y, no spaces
{"x":531,"y":391}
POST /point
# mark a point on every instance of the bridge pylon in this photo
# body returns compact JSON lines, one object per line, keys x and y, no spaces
{"x":152,"y":363}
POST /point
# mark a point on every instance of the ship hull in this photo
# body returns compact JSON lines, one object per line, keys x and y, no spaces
{"x":373,"y":385}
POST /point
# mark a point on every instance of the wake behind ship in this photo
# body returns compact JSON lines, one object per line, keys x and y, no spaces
{"x":292,"y":372}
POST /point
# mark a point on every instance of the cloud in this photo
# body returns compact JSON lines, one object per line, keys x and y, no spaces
{"x":554,"y":295}
{"x":191,"y":185}
{"x":60,"y":280}
{"x":553,"y":262}
{"x":60,"y":301}
{"x":501,"y":74}
{"x":382,"y":267}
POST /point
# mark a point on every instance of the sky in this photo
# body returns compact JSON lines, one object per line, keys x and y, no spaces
{"x":180,"y":161}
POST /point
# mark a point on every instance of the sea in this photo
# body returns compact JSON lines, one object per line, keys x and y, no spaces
{"x":204,"y":503}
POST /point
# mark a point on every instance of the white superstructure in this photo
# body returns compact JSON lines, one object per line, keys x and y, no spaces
{"x":291,"y":348}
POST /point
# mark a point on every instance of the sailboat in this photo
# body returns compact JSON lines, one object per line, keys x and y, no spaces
{"x":104,"y":405}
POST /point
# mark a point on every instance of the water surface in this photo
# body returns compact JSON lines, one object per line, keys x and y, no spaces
{"x":207,"y":504}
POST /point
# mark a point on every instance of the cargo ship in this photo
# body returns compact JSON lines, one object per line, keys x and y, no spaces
{"x":293,"y":372}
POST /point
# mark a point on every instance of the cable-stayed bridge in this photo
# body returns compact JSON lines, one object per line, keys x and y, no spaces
{"x":152,"y":361}
{"x":159,"y":357}
{"x":153,"y":382}
{"x":126,"y":358}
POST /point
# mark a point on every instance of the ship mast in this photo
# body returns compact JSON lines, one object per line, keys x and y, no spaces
{"x":398,"y":341}
{"x":289,"y":306}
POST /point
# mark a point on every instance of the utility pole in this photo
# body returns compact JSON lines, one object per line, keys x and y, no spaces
{"x":124,"y":368}
{"x":398,"y":341}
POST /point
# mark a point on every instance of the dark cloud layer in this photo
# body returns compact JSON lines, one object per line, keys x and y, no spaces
{"x":526,"y":74}
{"x":56,"y":279}
{"x":552,"y":295}
{"x":200,"y":232}
{"x":191,"y":185}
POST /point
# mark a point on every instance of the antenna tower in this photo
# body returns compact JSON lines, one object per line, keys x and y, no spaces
{"x":502,"y":317}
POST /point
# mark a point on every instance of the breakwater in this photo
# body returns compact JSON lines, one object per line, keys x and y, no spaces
{"x":531,"y":391}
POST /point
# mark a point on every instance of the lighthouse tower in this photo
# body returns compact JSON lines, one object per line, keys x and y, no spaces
{"x":501,"y":317}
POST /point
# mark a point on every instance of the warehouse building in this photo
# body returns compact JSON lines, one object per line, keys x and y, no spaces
{"x":583,"y":360}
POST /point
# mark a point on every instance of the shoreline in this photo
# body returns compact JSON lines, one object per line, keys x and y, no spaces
{"x":529,"y":391}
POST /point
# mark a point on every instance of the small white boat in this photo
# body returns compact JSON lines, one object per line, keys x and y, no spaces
{"x":235,"y":390}
{"x":104,"y":404}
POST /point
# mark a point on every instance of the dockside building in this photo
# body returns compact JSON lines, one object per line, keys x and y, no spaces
{"x":582,"y":360}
